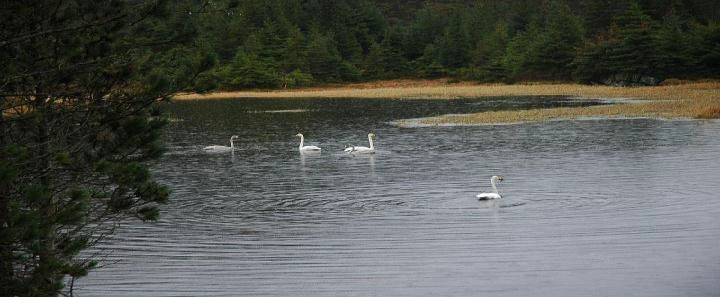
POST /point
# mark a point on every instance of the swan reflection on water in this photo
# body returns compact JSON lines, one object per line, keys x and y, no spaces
{"x":306,"y":155}
{"x":495,"y":203}
{"x":360,"y":160}
{"x":276,"y":219}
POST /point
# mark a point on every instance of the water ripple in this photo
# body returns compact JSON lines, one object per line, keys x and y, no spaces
{"x":590,"y":208}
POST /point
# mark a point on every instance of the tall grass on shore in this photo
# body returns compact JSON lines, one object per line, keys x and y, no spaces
{"x":698,"y":100}
{"x":687,"y":100}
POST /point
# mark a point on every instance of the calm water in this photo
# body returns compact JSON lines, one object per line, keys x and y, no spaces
{"x":591,"y":208}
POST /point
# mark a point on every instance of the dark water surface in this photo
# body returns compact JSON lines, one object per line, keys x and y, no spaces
{"x":591,"y":208}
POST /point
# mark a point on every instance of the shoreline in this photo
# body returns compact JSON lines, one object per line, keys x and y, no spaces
{"x":697,"y":100}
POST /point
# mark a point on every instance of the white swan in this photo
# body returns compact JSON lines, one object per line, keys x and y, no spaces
{"x":306,"y":148}
{"x":362,"y":149}
{"x":222,"y":148}
{"x":494,"y":194}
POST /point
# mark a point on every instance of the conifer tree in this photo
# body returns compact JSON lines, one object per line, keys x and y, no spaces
{"x":294,"y":56}
{"x":394,"y":63}
{"x":489,"y":52}
{"x":706,"y":49}
{"x":455,"y":45}
{"x":373,"y":67}
{"x":591,"y":64}
{"x":553,"y":50}
{"x":634,"y":56}
{"x":323,"y":58}
{"x":426,"y":27}
{"x":517,"y":56}
{"x":79,"y":86}
{"x":248,"y":70}
{"x":626,"y":55}
{"x":673,"y":49}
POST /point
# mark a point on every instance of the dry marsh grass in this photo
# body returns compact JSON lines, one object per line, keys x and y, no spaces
{"x":677,"y":100}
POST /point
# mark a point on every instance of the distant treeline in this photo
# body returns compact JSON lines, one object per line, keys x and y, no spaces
{"x":290,"y":43}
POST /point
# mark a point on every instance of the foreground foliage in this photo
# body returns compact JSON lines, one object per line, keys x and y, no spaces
{"x":79,"y":87}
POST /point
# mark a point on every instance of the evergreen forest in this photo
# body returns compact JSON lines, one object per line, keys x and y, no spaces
{"x":287,"y":43}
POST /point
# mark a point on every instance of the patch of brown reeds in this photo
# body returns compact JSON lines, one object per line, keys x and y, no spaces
{"x":682,"y":99}
{"x":709,"y":113}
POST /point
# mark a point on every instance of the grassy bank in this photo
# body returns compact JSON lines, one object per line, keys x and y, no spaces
{"x":686,"y":100}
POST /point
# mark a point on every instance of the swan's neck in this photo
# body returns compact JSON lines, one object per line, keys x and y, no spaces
{"x":302,"y":140}
{"x":492,"y":182}
{"x":371,"y":143}
{"x":232,"y":146}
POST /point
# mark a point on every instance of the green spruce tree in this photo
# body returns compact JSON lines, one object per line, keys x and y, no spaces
{"x":634,"y":57}
{"x":79,"y":87}
{"x":324,"y":61}
{"x":455,"y":45}
{"x":553,"y":50}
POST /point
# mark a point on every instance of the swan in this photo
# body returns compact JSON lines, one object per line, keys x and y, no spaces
{"x":362,"y":149}
{"x":494,"y":194}
{"x":306,"y":148}
{"x":222,"y":148}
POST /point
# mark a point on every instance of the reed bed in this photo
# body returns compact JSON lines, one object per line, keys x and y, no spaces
{"x":687,"y":100}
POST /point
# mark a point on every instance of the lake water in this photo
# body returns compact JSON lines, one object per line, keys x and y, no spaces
{"x":591,"y":208}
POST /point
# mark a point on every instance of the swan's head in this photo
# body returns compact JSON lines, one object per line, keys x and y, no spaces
{"x":371,"y":135}
{"x":299,"y":135}
{"x":234,"y":137}
{"x":496,"y":178}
